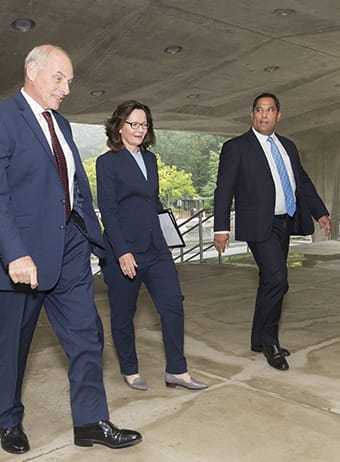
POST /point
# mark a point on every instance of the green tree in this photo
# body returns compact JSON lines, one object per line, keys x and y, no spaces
{"x":174,"y":184}
{"x":90,"y":168}
{"x":209,"y":188}
{"x":190,"y":152}
{"x":186,"y":151}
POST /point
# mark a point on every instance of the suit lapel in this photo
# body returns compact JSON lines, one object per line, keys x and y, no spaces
{"x":81,"y":180}
{"x":67,"y":134}
{"x":256,"y":146}
{"x":131,"y":164}
{"x":149,"y":166}
{"x":32,"y":122}
{"x":290,"y":155}
{"x":130,"y":160}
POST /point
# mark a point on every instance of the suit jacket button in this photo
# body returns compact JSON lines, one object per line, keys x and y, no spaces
{"x":63,"y":201}
{"x":62,"y":226}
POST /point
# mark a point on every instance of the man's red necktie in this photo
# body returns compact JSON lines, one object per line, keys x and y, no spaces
{"x":60,"y":161}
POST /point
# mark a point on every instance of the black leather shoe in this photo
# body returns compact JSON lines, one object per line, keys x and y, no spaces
{"x":105,"y":433}
{"x":274,"y":357}
{"x":14,"y":440}
{"x":259,"y":349}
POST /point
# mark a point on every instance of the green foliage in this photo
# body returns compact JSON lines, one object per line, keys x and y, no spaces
{"x":90,"y":168}
{"x":174,"y":184}
{"x":189,"y":151}
{"x":209,"y":188}
{"x":187,"y":164}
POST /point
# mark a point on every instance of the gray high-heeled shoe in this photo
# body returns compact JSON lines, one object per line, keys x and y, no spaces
{"x":172,"y":381}
{"x":137,"y":384}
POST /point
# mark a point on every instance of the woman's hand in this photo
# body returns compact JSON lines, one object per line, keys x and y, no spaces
{"x":128,"y":265}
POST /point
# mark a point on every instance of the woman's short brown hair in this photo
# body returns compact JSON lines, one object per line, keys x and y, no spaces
{"x":117,"y":120}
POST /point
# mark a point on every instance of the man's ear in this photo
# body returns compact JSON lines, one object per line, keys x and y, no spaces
{"x":31,"y":70}
{"x":279,"y":115}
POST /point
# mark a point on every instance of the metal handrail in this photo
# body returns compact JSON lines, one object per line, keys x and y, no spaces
{"x":195,"y":226}
{"x":204,"y":249}
{"x":200,"y":244}
{"x":185,"y":252}
{"x":192,"y":217}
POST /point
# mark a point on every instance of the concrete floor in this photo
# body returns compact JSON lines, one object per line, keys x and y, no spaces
{"x":250,"y":413}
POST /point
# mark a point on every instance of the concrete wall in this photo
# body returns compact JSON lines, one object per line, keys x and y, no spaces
{"x":320,"y":154}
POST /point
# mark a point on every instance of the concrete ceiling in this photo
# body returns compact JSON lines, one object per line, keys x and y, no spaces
{"x":118,"y":47}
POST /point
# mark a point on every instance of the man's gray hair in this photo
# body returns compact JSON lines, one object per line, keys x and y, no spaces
{"x":40,"y":54}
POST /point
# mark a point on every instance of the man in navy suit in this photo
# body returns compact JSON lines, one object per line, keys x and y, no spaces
{"x":48,"y":229}
{"x":274,"y":198}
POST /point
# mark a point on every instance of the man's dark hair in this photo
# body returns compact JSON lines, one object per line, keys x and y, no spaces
{"x":267,"y":95}
{"x":117,"y":120}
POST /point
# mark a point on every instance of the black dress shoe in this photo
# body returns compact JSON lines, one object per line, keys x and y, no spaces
{"x":105,"y":433}
{"x":259,"y":349}
{"x":274,"y":357}
{"x":14,"y":440}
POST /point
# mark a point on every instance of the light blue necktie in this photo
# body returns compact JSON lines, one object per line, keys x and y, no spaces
{"x":284,"y":178}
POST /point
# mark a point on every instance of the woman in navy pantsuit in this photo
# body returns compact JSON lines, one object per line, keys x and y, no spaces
{"x":136,"y":252}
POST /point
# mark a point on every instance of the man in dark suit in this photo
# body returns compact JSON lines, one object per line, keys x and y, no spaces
{"x":274,"y":198}
{"x":48,"y":229}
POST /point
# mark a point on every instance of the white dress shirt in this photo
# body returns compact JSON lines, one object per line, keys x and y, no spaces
{"x":280,"y":203}
{"x":37,"y":111}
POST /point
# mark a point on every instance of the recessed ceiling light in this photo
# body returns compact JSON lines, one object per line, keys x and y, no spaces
{"x":23,"y":24}
{"x":97,"y":93}
{"x":284,"y":11}
{"x":173,"y":50}
{"x":271,"y":68}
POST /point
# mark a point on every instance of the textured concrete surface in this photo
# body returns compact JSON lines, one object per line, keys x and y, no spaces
{"x":230,"y":51}
{"x":250,"y":413}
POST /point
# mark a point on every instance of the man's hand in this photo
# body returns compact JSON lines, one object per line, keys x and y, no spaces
{"x":128,"y":265}
{"x":23,"y":271}
{"x":221,"y":241}
{"x":325,"y":224}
